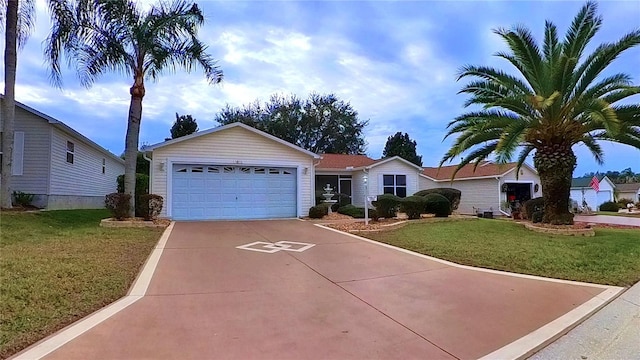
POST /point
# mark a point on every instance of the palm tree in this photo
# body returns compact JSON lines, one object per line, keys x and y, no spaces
{"x":558,"y":100}
{"x":18,"y":23}
{"x":115,"y":35}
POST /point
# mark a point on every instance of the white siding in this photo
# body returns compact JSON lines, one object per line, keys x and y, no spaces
{"x":479,"y":194}
{"x":35,"y":164}
{"x":395,"y":167}
{"x":635,"y":196}
{"x":425,"y":183}
{"x":84,"y":177}
{"x":357,"y":198}
{"x":233,"y":146}
{"x":525,"y":176}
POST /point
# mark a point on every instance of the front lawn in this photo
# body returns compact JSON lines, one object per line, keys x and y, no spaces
{"x":611,"y":257}
{"x":58,"y":266}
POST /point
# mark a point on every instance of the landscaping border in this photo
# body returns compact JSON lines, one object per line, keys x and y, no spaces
{"x":588,"y":232}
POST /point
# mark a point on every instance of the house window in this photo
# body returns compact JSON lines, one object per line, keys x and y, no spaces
{"x":395,"y":184}
{"x":104,"y":166}
{"x":70,"y":152}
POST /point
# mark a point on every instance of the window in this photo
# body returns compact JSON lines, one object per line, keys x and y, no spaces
{"x":104,"y":166}
{"x":213,"y":170}
{"x":70,"y":152}
{"x":395,"y":184}
{"x":197,"y":169}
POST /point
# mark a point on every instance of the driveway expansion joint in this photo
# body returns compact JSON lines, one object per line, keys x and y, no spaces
{"x":391,"y":275}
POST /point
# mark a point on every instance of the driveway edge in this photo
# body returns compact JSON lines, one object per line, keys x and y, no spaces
{"x":136,"y":292}
{"x":543,"y":336}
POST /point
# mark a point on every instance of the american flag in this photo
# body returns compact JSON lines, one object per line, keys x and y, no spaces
{"x":595,"y":184}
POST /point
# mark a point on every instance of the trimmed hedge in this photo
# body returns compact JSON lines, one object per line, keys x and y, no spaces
{"x":318,"y":211}
{"x":413,"y":206}
{"x":609,"y":206}
{"x":387,"y":205}
{"x":118,"y":204}
{"x":451,"y":194}
{"x":531,"y":206}
{"x":536,"y":217}
{"x":352,"y":211}
{"x":437,"y":204}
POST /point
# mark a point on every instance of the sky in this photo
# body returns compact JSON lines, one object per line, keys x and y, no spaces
{"x":394,"y":61}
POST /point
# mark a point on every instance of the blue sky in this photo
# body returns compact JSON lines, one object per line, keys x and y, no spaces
{"x":394,"y":61}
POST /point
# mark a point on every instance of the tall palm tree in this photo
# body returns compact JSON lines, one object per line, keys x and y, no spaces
{"x":100,"y":36}
{"x":18,"y":23}
{"x":558,"y":99}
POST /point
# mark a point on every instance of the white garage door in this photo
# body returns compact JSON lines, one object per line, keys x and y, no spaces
{"x":211,"y":192}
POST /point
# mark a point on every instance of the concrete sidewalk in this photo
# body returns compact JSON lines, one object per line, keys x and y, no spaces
{"x":605,"y":219}
{"x":612,"y":333}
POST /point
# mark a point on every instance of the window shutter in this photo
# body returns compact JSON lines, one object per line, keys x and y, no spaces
{"x":18,"y":153}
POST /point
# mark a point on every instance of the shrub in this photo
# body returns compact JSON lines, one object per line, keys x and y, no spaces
{"x":318,"y":211}
{"x":453,"y":195}
{"x":373,"y":214}
{"x":609,"y":206}
{"x":118,"y":204}
{"x":531,"y":206}
{"x":387,"y":205}
{"x":437,"y":204}
{"x":142,"y":188}
{"x":150,"y":206}
{"x":623,"y":203}
{"x":413,"y":206}
{"x":352,"y":211}
{"x":536,"y":216}
{"x":22,"y":199}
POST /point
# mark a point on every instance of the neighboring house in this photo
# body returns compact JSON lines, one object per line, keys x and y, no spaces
{"x":582,"y":192}
{"x":628,"y":191}
{"x":359,"y":176}
{"x":490,"y":187}
{"x":60,"y":166}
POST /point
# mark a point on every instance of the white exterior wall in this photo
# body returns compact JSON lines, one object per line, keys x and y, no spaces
{"x":635,"y":196}
{"x":594,"y":199}
{"x":83,"y":178}
{"x":35,"y":160}
{"x":426,"y":183}
{"x":392,"y":168}
{"x":232,"y":146}
{"x":481,"y":194}
{"x":357,"y":181}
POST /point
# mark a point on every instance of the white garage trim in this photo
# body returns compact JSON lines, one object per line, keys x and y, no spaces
{"x":208,"y":161}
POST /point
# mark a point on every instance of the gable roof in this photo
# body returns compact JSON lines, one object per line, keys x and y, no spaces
{"x":486,"y":169}
{"x":225,"y":127}
{"x":585,"y":181}
{"x":66,"y":128}
{"x":631,"y":187}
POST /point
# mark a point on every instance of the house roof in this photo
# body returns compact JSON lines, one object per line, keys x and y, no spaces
{"x":485,"y":169}
{"x":343,"y":161}
{"x":225,"y":127}
{"x":585,"y":181}
{"x":632,"y":187}
{"x":66,"y":128}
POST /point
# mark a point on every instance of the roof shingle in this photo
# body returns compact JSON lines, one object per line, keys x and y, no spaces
{"x":484,"y":169}
{"x":342,"y":161}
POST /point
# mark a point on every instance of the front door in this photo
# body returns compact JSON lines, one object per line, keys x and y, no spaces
{"x":345,"y":189}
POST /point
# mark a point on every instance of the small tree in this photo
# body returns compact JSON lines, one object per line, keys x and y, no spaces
{"x":401,"y":145}
{"x":183,"y":126}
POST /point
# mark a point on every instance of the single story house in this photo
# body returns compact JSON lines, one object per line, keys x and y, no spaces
{"x":628,"y":191}
{"x":61,"y":167}
{"x":582,"y":192}
{"x":490,"y":187}
{"x":238,"y":172}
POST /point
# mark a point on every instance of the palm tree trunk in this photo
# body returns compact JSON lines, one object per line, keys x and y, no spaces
{"x":555,"y":164}
{"x":131,"y":142}
{"x":8,"y":105}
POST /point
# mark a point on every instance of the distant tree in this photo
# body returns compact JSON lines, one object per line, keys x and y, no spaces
{"x":401,"y":145}
{"x":183,"y":126}
{"x":322,"y":123}
{"x":618,"y":177}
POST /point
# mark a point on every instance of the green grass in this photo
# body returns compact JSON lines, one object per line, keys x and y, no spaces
{"x":58,"y":266}
{"x":633,"y":215}
{"x":611,"y":257}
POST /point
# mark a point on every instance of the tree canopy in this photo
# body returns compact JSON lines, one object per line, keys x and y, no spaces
{"x":619,"y":177}
{"x":321,"y":123}
{"x":401,"y":145}
{"x":558,"y":97}
{"x":183,"y":126}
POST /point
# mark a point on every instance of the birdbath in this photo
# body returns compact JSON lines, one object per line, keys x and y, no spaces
{"x":328,"y":194}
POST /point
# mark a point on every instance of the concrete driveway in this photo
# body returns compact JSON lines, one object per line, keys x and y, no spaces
{"x":608,"y":219}
{"x":341,"y":298}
